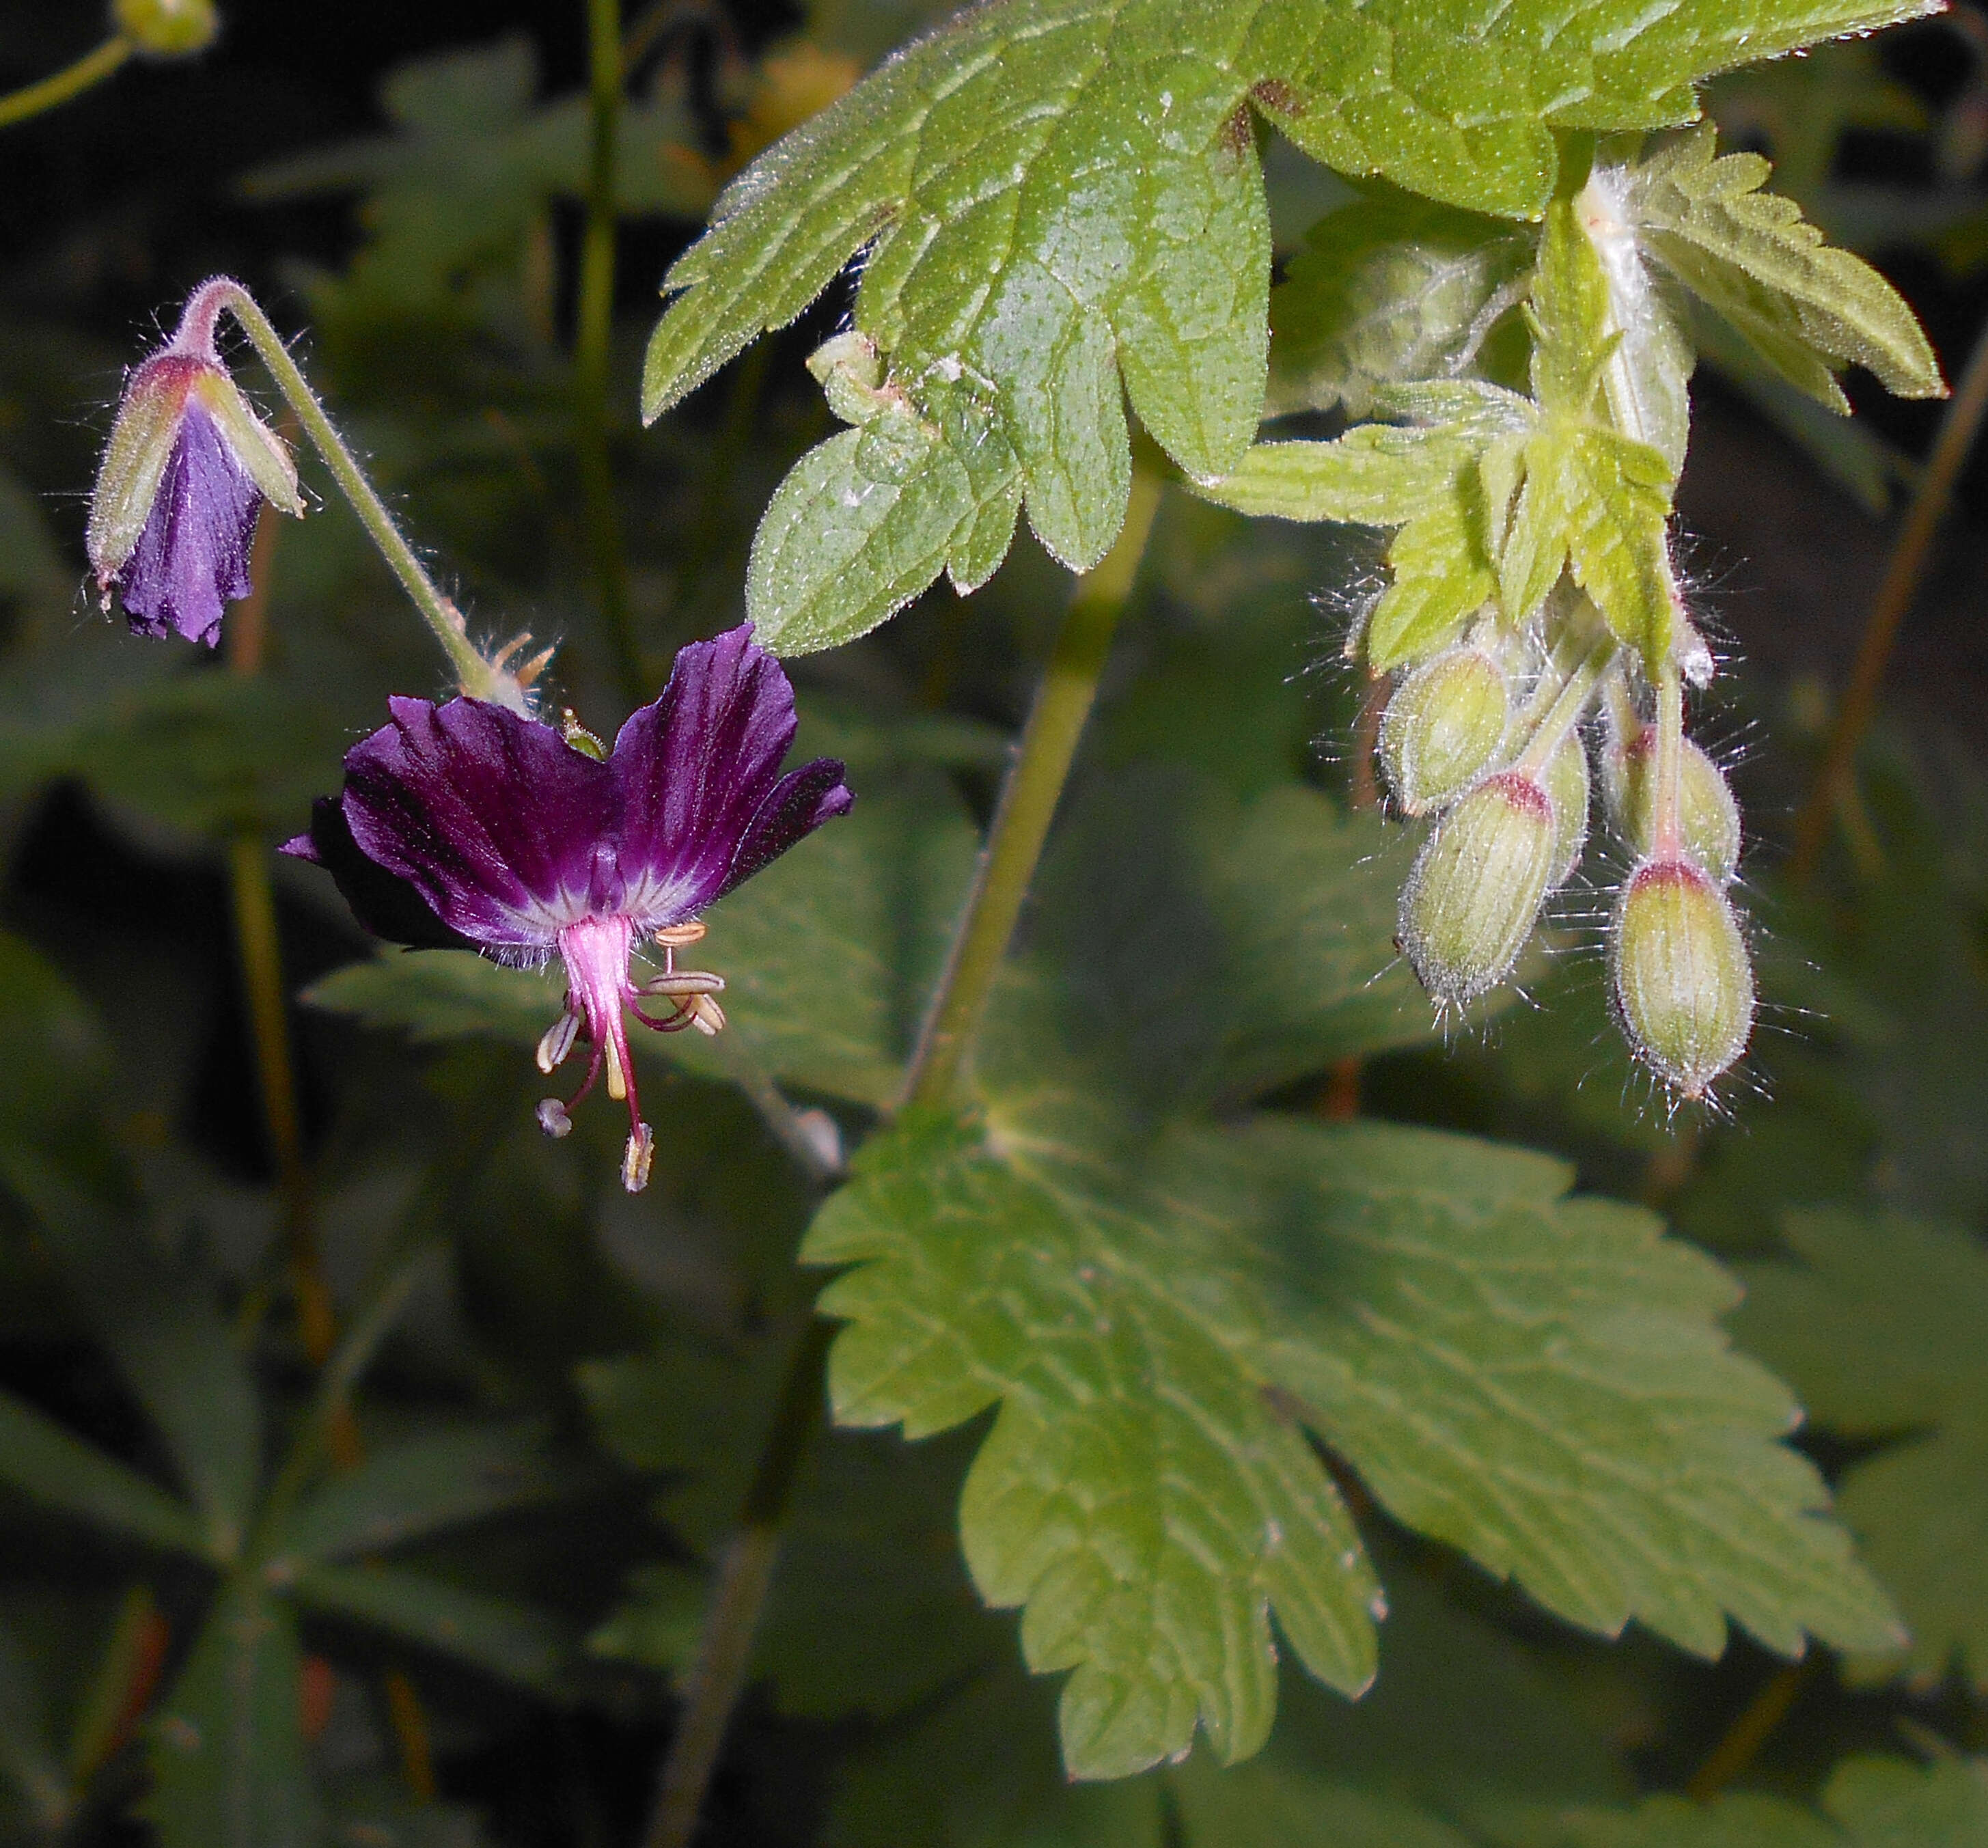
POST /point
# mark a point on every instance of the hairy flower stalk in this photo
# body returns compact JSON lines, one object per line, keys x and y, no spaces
{"x":189,"y":465}
{"x":469,"y":825}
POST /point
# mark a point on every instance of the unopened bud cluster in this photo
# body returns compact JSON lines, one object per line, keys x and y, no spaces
{"x":1490,"y":741}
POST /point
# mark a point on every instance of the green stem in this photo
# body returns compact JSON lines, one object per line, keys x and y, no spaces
{"x":1028,"y":804}
{"x":328,"y":1404}
{"x":593,"y":351}
{"x":1021,"y":825}
{"x":262,"y":986}
{"x":52,"y":93}
{"x":1903,"y":569}
{"x":473,"y":674}
{"x":1667,"y":836}
{"x":744,"y":1576}
{"x":1568,"y":703}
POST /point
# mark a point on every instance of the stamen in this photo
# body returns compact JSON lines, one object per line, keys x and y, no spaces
{"x":617,"y":1077}
{"x":558,"y":1041}
{"x":683,"y":981}
{"x":636,"y":1158}
{"x":705,"y":1014}
{"x":681,"y":936}
{"x":553,"y":1118}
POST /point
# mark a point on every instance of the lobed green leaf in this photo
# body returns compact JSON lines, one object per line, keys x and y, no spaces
{"x":1061,"y":199}
{"x":1805,"y":307}
{"x":1877,"y":1322}
{"x":1538,"y":1381}
{"x":1390,"y":289}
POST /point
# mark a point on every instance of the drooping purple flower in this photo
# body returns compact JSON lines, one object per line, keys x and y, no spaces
{"x":188,"y":467}
{"x":466,"y":823}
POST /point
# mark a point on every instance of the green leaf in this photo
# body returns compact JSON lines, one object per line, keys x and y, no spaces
{"x":1056,"y":194}
{"x":1849,"y":454}
{"x":226,"y":1749}
{"x":27,"y":1752}
{"x":870,"y":1611}
{"x":1870,"y":1803}
{"x":1541,"y":1381}
{"x":1140,"y":1492}
{"x":1282,"y":908}
{"x":1387,"y":290}
{"x":436,"y":995}
{"x":1879,"y":1327}
{"x":981,"y":1772}
{"x":423,"y":1483}
{"x":1462,"y":1732}
{"x":868,"y":520}
{"x":50,"y":1465}
{"x":1423,"y":479}
{"x":1807,"y":309}
{"x":1589,"y":500}
{"x":1884,"y":1802}
{"x":1597,"y":505}
{"x":160,"y":1327}
{"x":506,"y":1639}
{"x":1538,"y":1381}
{"x":1269,"y":1805}
{"x":211,"y":753}
{"x":829,"y":954}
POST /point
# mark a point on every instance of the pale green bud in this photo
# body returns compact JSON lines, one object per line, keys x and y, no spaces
{"x":1475,"y":894}
{"x":1443,"y":728}
{"x":1565,"y":779}
{"x":1708,"y":816}
{"x":850,"y":371}
{"x":167,"y":29}
{"x":1682,"y":978}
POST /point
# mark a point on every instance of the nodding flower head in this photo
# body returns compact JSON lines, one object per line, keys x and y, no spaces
{"x":188,"y":467}
{"x":468,"y":825}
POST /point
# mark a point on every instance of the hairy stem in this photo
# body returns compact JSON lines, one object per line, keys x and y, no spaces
{"x":1568,"y":703}
{"x":744,"y":1575}
{"x":1896,"y":589}
{"x":473,"y":674}
{"x":1667,"y":832}
{"x":51,"y":93}
{"x":1028,"y":804}
{"x":1021,"y":825}
{"x":593,"y":351}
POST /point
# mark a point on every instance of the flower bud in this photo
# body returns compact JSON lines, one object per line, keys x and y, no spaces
{"x":1707,"y":814}
{"x":1683,"y":979}
{"x":167,"y":29}
{"x":1475,"y":891}
{"x":188,"y":467}
{"x":1443,"y":727}
{"x":1565,"y":779}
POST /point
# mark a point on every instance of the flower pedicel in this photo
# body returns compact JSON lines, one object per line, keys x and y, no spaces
{"x":467,"y":824}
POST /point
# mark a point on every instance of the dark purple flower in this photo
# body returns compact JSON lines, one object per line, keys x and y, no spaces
{"x":466,"y":823}
{"x":188,"y":467}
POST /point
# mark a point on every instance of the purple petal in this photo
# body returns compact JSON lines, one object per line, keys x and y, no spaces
{"x":498,"y":823}
{"x":385,"y":904}
{"x":693,"y":771}
{"x":192,"y":558}
{"x":797,"y":805}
